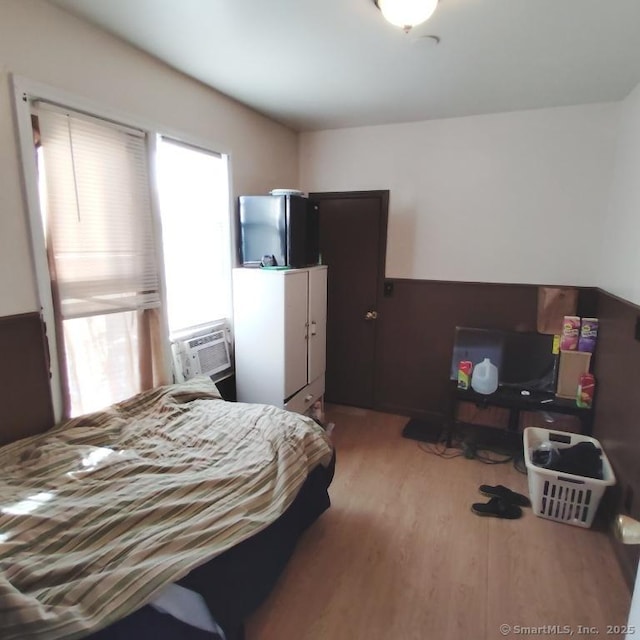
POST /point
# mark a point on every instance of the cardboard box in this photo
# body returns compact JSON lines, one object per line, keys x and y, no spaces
{"x":553,"y":304}
{"x":572,"y":365}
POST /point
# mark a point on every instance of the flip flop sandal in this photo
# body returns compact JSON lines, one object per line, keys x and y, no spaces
{"x":506,"y":494}
{"x":497,"y":508}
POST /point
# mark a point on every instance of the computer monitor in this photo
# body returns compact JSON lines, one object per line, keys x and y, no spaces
{"x":525,"y":360}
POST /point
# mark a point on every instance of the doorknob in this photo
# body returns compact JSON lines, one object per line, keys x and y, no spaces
{"x":371,"y":315}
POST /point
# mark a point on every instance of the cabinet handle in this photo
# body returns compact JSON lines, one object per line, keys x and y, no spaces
{"x":314,"y":328}
{"x":309,"y":397}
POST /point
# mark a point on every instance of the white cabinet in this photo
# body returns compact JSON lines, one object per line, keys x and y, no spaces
{"x":280,"y":319}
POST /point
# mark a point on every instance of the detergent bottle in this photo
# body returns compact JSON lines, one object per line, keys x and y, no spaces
{"x":485,"y":377}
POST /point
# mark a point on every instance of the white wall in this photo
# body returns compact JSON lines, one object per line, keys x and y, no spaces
{"x":45,"y":44}
{"x":514,"y":197}
{"x":620,"y":258}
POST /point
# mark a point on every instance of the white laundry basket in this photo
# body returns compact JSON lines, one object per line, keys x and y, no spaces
{"x":564,"y":497}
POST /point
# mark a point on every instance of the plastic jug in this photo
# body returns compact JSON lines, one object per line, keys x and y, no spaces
{"x":485,"y":377}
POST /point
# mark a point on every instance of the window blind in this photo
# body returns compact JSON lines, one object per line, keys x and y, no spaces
{"x":99,"y":220}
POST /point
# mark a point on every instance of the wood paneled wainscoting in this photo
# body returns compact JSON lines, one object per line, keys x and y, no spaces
{"x":25,"y":396}
{"x":617,"y":420}
{"x":416,"y":326}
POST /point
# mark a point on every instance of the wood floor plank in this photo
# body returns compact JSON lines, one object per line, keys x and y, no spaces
{"x":400,"y":554}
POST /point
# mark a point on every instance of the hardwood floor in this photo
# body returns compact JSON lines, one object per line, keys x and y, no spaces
{"x":400,"y":555}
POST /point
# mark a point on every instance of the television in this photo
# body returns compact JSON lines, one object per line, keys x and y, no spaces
{"x":525,"y":360}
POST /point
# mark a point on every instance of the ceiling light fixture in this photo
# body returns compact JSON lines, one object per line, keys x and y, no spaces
{"x":406,"y":13}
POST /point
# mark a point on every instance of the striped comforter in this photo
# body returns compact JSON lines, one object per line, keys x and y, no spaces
{"x":98,"y":514}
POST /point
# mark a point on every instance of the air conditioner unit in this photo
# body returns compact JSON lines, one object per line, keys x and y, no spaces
{"x":202,"y":353}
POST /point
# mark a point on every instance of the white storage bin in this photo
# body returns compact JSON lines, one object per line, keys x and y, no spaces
{"x":564,"y":497}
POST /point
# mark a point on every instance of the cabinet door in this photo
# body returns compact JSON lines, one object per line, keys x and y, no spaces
{"x":259,"y":318}
{"x":295,"y":332}
{"x":317,"y":323}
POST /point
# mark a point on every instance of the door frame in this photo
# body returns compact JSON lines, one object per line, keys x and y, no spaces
{"x":383,"y":196}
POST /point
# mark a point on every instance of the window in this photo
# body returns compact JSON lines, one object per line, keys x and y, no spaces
{"x":102,"y":257}
{"x":194,"y":207}
{"x":98,"y":247}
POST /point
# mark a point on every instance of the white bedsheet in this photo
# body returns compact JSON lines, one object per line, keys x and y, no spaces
{"x":187,"y":606}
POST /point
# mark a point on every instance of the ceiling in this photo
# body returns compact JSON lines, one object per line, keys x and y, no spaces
{"x":323,"y":64}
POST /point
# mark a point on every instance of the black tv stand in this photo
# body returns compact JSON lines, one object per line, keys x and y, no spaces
{"x":513,"y":400}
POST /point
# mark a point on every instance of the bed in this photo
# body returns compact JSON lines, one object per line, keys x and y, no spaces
{"x":172,"y":489}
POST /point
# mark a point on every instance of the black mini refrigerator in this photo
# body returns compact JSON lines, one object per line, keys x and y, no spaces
{"x":278,"y":230}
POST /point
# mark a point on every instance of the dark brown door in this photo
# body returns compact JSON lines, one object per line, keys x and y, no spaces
{"x":353,"y":229}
